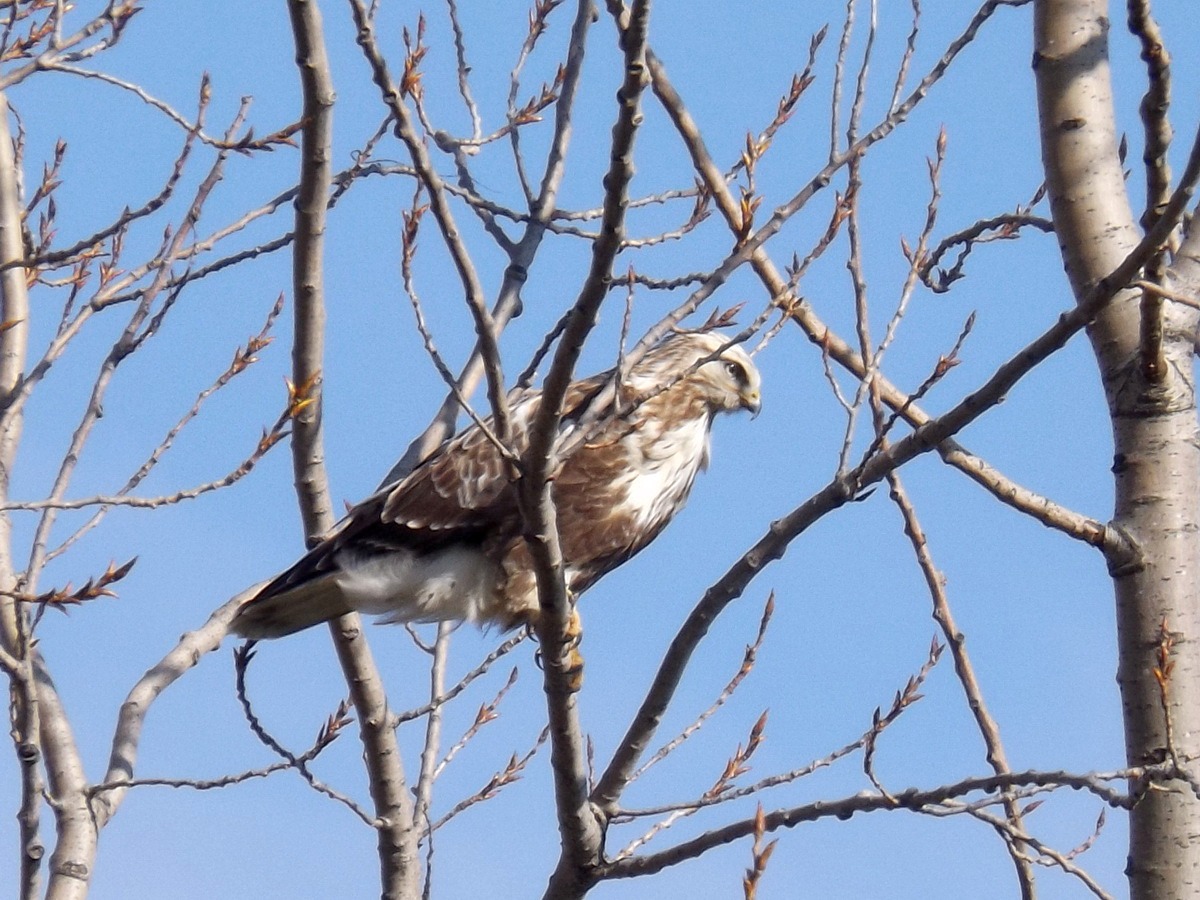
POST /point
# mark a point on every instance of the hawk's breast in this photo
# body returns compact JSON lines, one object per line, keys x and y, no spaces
{"x":662,"y":467}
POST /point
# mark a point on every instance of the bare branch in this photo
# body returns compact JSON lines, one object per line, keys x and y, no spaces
{"x":502,"y":779}
{"x":1009,"y":492}
{"x":836,"y":494}
{"x":911,"y":799}
{"x":1047,"y":855}
{"x":582,"y":838}
{"x":860,"y":86}
{"x":1151,"y":310}
{"x":463,"y":682}
{"x":241,"y":659}
{"x":487,"y":713}
{"x":14,"y":622}
{"x":760,"y":855}
{"x":140,"y":326}
{"x":486,"y":328}
{"x":408,"y":239}
{"x":464,"y":86}
{"x":245,"y":144}
{"x":128,"y":732}
{"x":397,"y":834}
{"x":1154,"y":108}
{"x":904,"y":699}
{"x":748,"y":660}
{"x":750,"y":246}
{"x":965,"y":671}
{"x":910,"y":48}
{"x":735,"y":767}
{"x":1005,"y":226}
{"x":115,"y":17}
{"x":423,"y":794}
{"x":123,"y":221}
{"x":243,"y":358}
{"x":508,"y":302}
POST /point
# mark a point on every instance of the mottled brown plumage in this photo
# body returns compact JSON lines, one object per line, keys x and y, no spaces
{"x":446,"y":542}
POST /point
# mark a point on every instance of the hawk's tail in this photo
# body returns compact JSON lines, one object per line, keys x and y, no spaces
{"x":277,"y":615}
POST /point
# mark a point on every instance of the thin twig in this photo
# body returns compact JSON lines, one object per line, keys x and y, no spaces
{"x":508,"y":302}
{"x":241,"y":658}
{"x":836,"y":494}
{"x":965,"y":671}
{"x":1005,"y":226}
{"x":114,"y":18}
{"x":510,"y":774}
{"x":141,"y":324}
{"x":1006,"y":490}
{"x":486,"y":328}
{"x":423,"y":794}
{"x":911,"y":799}
{"x":463,"y":682}
{"x":245,"y":144}
{"x":243,"y":358}
{"x":748,"y":660}
{"x":1047,"y":856}
{"x":464,"y":85}
{"x":487,"y":713}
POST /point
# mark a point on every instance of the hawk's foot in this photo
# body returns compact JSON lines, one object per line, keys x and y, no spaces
{"x":574,"y":630}
{"x":573,"y":664}
{"x":572,"y":659}
{"x":573,"y":670}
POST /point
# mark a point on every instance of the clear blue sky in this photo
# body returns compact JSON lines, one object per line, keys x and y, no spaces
{"x":852,"y":620}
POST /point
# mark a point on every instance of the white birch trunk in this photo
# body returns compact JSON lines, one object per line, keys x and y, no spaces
{"x":1156,"y":444}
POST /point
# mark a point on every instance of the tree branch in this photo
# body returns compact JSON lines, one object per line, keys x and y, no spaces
{"x":14,"y":622}
{"x":542,"y":209}
{"x":128,"y":733}
{"x":1149,"y":384}
{"x":579,"y":827}
{"x":912,"y":799}
{"x":1003,"y":488}
{"x":965,"y":671}
{"x":837,"y":493}
{"x":486,"y":329}
{"x":398,"y":858}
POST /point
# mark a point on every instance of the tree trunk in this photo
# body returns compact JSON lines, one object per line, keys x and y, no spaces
{"x":1156,"y":444}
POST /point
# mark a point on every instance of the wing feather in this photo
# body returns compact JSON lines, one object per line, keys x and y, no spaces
{"x":464,"y":492}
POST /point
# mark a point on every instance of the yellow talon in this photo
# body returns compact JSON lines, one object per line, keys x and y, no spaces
{"x":573,"y":663}
{"x":574,"y":629}
{"x":573,"y":659}
{"x":573,"y":669}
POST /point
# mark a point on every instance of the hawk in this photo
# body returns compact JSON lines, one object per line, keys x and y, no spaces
{"x":445,"y":542}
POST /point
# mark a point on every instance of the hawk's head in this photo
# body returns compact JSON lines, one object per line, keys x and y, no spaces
{"x":726,"y":382}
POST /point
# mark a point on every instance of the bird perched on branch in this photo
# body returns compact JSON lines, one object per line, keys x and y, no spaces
{"x":445,"y":542}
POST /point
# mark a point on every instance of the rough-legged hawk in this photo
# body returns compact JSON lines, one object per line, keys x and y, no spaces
{"x":445,"y":543}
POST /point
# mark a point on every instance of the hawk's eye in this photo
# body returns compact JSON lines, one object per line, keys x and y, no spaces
{"x":735,"y":370}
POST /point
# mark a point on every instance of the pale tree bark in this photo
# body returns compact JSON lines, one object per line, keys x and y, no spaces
{"x":14,"y":307}
{"x":397,"y":838}
{"x":580,"y":825}
{"x":1143,"y":344}
{"x":1151,"y":398}
{"x":45,"y":735}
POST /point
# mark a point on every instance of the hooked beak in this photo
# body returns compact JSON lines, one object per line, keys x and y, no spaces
{"x":752,"y":401}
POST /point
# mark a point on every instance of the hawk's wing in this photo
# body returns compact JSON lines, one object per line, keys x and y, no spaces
{"x":468,"y":482}
{"x":463,"y":493}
